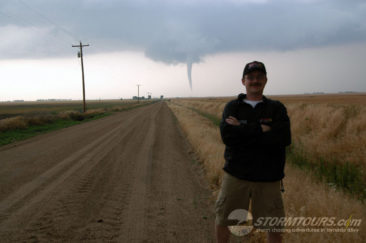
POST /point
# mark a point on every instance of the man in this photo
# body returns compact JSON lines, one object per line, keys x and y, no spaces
{"x":255,"y":130}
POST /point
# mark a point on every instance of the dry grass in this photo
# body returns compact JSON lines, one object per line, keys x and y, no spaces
{"x":213,"y":107}
{"x":326,"y":132}
{"x":304,"y":195}
{"x":205,"y":138}
{"x":332,"y":132}
{"x":22,"y":122}
{"x":340,"y":99}
{"x":17,"y":122}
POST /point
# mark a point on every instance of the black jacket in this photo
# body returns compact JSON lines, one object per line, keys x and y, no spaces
{"x":251,"y":154}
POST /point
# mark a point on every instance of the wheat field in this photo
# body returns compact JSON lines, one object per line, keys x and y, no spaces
{"x":325,"y":131}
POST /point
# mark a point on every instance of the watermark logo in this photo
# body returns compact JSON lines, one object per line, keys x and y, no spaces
{"x":244,"y":224}
{"x":313,"y":224}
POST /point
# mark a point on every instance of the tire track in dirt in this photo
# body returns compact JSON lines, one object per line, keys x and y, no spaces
{"x":135,"y":182}
{"x":103,"y":189}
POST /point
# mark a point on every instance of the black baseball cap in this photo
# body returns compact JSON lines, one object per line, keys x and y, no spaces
{"x":254,"y":66}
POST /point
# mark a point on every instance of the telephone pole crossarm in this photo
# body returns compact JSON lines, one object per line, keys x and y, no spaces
{"x":79,"y":45}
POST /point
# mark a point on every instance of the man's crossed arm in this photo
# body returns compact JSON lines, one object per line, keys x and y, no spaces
{"x":237,"y":133}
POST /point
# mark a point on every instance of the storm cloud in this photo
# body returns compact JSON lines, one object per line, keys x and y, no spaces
{"x":176,"y":31}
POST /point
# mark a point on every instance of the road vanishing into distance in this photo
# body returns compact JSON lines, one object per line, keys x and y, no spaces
{"x":127,"y":177}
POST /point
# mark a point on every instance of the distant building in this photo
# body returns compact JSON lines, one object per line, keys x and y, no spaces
{"x":161,"y":97}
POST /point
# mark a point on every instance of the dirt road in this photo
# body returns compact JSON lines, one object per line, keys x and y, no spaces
{"x":123,"y":178}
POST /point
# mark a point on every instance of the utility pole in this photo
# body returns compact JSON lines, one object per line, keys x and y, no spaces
{"x":138,"y":93}
{"x":80,"y":54}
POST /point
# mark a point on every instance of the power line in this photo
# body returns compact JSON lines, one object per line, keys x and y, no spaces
{"x":28,"y":22}
{"x":66,"y":31}
{"x":32,"y":25}
{"x":19,"y":18}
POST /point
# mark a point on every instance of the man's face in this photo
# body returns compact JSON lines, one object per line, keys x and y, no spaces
{"x":254,"y":82}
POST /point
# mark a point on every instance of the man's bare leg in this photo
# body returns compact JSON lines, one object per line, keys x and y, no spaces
{"x":274,"y":237}
{"x":222,"y":234}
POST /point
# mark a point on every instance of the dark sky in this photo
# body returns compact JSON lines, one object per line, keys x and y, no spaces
{"x":177,"y":31}
{"x":307,"y":45}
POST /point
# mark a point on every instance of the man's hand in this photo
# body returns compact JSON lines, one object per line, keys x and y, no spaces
{"x":232,"y":121}
{"x":265,"y":128}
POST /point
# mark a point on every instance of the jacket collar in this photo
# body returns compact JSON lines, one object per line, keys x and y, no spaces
{"x":242,"y":96}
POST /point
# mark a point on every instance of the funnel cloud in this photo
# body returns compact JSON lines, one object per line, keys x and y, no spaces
{"x":189,"y":72}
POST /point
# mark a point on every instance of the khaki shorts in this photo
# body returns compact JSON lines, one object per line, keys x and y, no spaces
{"x":266,"y":201}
